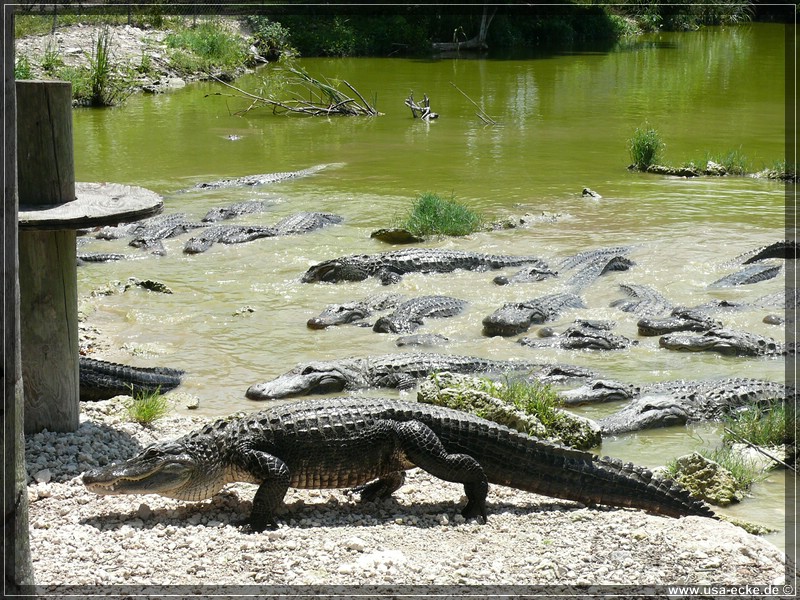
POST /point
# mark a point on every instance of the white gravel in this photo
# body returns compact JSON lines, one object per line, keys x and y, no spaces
{"x":328,"y":537}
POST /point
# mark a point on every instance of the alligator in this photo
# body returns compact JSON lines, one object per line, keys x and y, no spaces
{"x":100,"y":257}
{"x":582,"y":335}
{"x":748,"y":275}
{"x":390,"y":266}
{"x":255,"y":180}
{"x":149,"y":233}
{"x":353,"y":312}
{"x":589,"y":272}
{"x":592,"y":264}
{"x":305,"y":222}
{"x":786,"y":249}
{"x":297,"y":223}
{"x":410,"y":314}
{"x":422,"y":339}
{"x":728,"y":342}
{"x":367,"y":444}
{"x":680,"y":319}
{"x":643,"y":300}
{"x":227,"y":234}
{"x":237,"y":209}
{"x":401,"y":371}
{"x":516,"y":317}
{"x":680,"y":402}
{"x":100,"y":380}
{"x":596,"y":391}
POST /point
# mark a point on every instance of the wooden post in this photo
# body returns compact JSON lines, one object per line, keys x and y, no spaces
{"x":47,"y":259}
{"x":17,"y":565}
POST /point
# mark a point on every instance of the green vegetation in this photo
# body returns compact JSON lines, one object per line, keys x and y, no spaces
{"x":760,"y":427}
{"x":106,"y":86}
{"x":147,"y":407}
{"x":744,"y":471}
{"x":645,"y":147}
{"x":733,"y":161}
{"x":536,"y":398}
{"x":206,"y":47}
{"x":432,"y":215}
{"x":22,"y":68}
{"x":271,"y":38}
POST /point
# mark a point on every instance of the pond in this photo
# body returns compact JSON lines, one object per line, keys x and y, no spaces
{"x":237,"y":315}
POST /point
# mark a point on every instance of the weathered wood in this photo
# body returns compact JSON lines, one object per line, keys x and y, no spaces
{"x":44,"y":130}
{"x":47,"y":260}
{"x":18,"y":568}
{"x":96,"y":204}
{"x":49,"y":317}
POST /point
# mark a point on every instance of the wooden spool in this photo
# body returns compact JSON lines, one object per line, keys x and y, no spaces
{"x":51,"y":208}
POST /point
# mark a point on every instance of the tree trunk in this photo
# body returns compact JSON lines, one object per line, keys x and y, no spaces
{"x":476,"y":43}
{"x":17,"y":558}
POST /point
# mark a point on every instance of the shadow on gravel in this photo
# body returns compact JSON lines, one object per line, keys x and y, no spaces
{"x":228,"y":509}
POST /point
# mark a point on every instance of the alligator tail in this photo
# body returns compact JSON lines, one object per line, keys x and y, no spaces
{"x":100,"y":379}
{"x":516,"y":460}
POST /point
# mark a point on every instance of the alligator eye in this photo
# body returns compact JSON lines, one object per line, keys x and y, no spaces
{"x":308,"y":370}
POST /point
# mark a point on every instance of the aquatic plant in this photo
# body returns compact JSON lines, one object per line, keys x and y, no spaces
{"x":645,"y":147}
{"x":106,"y":86}
{"x":147,"y":407}
{"x":770,"y":427}
{"x":433,"y":215}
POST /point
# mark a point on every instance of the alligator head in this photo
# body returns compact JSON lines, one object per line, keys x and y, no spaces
{"x":335,"y":270}
{"x":339,"y":314}
{"x":646,"y":412}
{"x":318,"y":377}
{"x":680,"y":319}
{"x":598,"y":390}
{"x":512,"y":318}
{"x":184,"y":471}
{"x":723,"y":341}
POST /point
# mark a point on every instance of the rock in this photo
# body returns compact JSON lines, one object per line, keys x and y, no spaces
{"x":43,"y":476}
{"x":674,"y":171}
{"x":707,"y":480}
{"x":715,"y":169}
{"x":469,"y":393}
{"x":396,"y":235}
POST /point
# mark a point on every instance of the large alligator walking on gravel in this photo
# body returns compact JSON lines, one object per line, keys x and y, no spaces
{"x":401,"y":371}
{"x":369,"y":443}
{"x":100,"y":380}
{"x":390,"y":267}
{"x":679,"y":402}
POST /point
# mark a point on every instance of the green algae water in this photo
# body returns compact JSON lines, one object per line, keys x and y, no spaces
{"x":237,"y":315}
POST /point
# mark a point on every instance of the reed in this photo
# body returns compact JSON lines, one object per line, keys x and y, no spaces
{"x":433,"y":215}
{"x":645,"y":147}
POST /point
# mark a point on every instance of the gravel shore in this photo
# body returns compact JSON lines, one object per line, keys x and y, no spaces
{"x":329,"y":538}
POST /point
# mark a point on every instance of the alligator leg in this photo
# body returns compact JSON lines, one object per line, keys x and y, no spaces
{"x":381,"y":488}
{"x":275,"y":477}
{"x":423,"y":448}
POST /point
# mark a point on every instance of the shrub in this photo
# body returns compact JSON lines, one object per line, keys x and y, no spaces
{"x":645,"y":147}
{"x":146,"y":407}
{"x":431,"y":215}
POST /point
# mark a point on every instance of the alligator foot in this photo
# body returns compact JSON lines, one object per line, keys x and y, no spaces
{"x":256,"y":524}
{"x":382,"y":488}
{"x":476,"y":500}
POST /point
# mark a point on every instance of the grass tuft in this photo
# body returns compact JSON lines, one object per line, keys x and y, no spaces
{"x":760,"y":427}
{"x":207,"y":46}
{"x":533,"y":398}
{"x":147,"y":407}
{"x":432,"y":215}
{"x":645,"y":147}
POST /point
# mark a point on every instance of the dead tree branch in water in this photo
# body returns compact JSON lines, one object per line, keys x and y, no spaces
{"x":423,"y":111}
{"x":481,"y":114}
{"x":324,"y":99}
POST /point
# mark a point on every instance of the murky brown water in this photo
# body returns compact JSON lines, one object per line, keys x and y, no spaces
{"x":565,"y":121}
